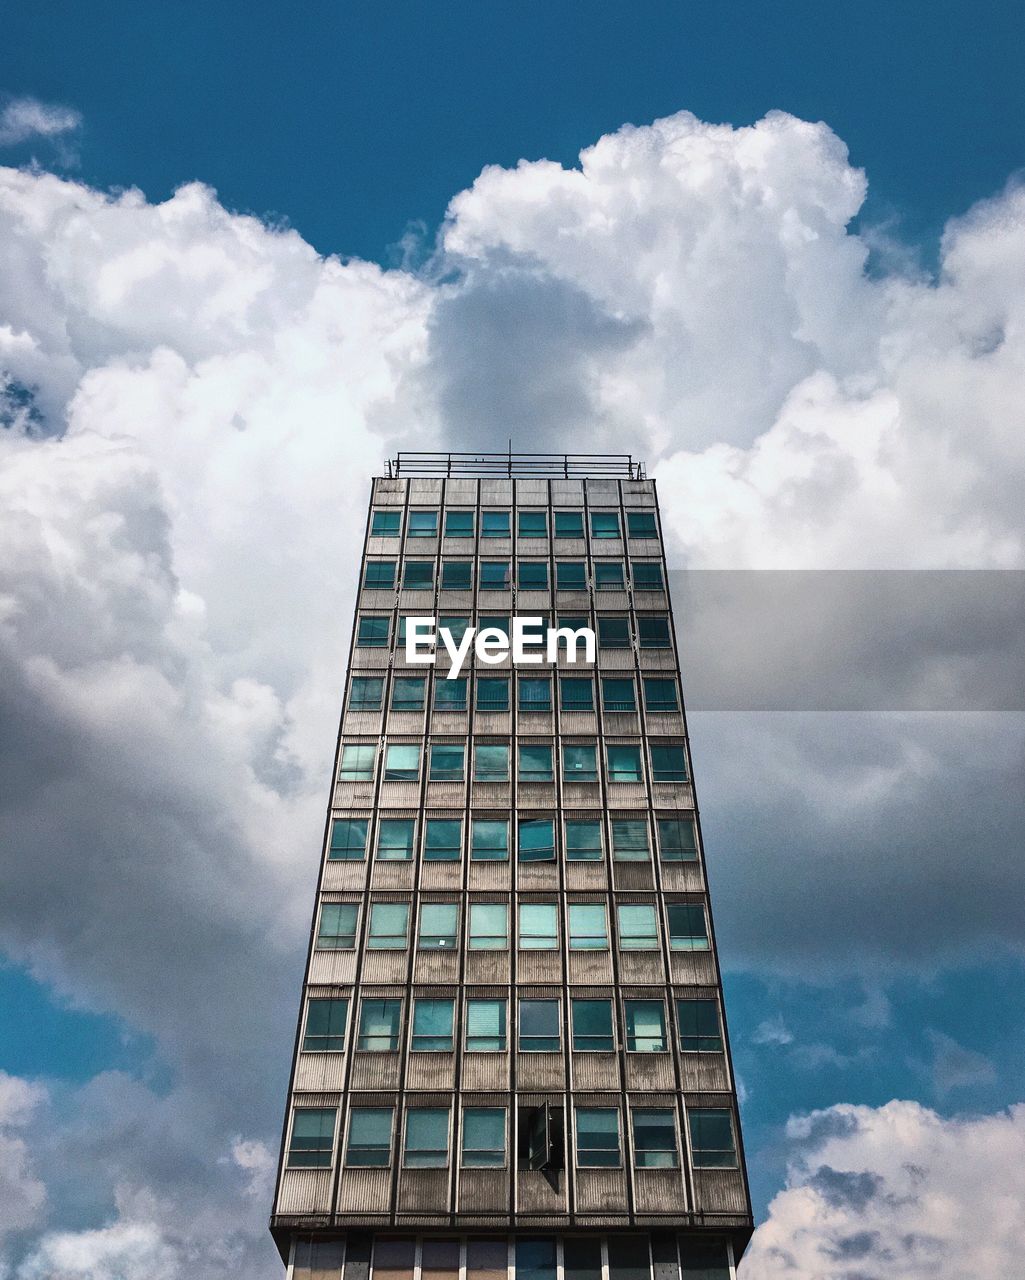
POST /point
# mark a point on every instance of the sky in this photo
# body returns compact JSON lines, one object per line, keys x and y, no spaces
{"x":778,"y":251}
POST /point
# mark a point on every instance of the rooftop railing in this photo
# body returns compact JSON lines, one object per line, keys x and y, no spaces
{"x":609,"y":466}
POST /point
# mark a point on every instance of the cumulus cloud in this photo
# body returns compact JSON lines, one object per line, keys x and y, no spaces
{"x":22,"y":119}
{"x":22,"y":1193}
{"x":896,"y":1191}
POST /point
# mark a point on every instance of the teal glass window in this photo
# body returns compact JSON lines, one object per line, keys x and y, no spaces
{"x":379,"y":575}
{"x":369,"y":1143}
{"x":653,"y":631}
{"x":535,"y":762}
{"x":492,"y":693}
{"x":579,"y":762}
{"x":408,"y":693}
{"x":426,"y":1138}
{"x":647,"y":575}
{"x":313,"y":1138}
{"x":609,"y":576}
{"x":484,"y":1137}
{"x":450,"y":695}
{"x":386,"y":523}
{"x":630,"y":840}
{"x":418,"y":575}
{"x":588,"y":927}
{"x":457,"y":575}
{"x":535,"y":693}
{"x":532,"y":575}
{"x":712,"y":1143}
{"x":491,"y":762}
{"x":641,"y":524}
{"x":583,"y":840}
{"x":433,"y":1021}
{"x":422,"y":524}
{"x":624,"y":763}
{"x":372,"y":631}
{"x":677,"y":840}
{"x":699,"y":1027}
{"x":688,"y":928}
{"x":489,"y":840}
{"x":455,"y":624}
{"x":439,"y":926}
{"x":447,"y":762}
{"x":661,"y":694}
{"x":402,"y":762}
{"x":337,"y":930}
{"x":380,"y":1023}
{"x":669,"y":763}
{"x":618,"y":693}
{"x":495,"y":575}
{"x":570,"y":575}
{"x":489,"y":926}
{"x":532,"y":524}
{"x":569,"y":524}
{"x":395,"y":839}
{"x":389,"y":926}
{"x":325,"y":1024}
{"x":494,"y":524}
{"x":576,"y":693}
{"x":638,"y":930}
{"x":539,"y":1026}
{"x":365,"y":693}
{"x":655,"y":1139}
{"x":539,"y":926}
{"x":443,"y":840}
{"x":613,"y":632}
{"x":348,"y":840}
{"x":536,"y":841}
{"x":486,"y":1026}
{"x":535,"y":1258}
{"x":458,"y":524}
{"x":495,"y":622}
{"x":604,"y":525}
{"x":591,"y":1022}
{"x":598,"y":1138}
{"x":645,"y":1026}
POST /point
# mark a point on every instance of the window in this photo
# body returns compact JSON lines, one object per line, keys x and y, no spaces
{"x":337,"y":930}
{"x":532,"y":524}
{"x":579,"y":762}
{"x":617,"y":694}
{"x":583,"y":840}
{"x":432,"y":1026}
{"x":385,"y":524}
{"x":325,"y":1025}
{"x":624,"y":763}
{"x":372,"y":631}
{"x":569,"y":524}
{"x":458,"y":524}
{"x":535,"y":693}
{"x":535,"y":762}
{"x":570,"y":622}
{"x":669,"y":763}
{"x":489,"y":841}
{"x":439,"y":926}
{"x":539,"y":1026}
{"x":570,"y":575}
{"x":484,"y":1137}
{"x":576,"y":694}
{"x":592,"y":1026}
{"x":395,"y":839}
{"x":491,"y":762}
{"x":539,"y":926}
{"x":688,"y":930}
{"x":450,"y":695}
{"x":455,"y":623}
{"x":604,"y":524}
{"x":536,"y":840}
{"x":598,"y":1138}
{"x":369,"y":1137}
{"x":641,"y":524}
{"x":677,"y":840}
{"x":365,"y":693}
{"x":496,"y":622}
{"x":443,"y":840}
{"x":630,"y":840}
{"x":313,"y":1138}
{"x":645,"y":1026}
{"x":581,"y":1259}
{"x":637,"y":928}
{"x":588,"y":927}
{"x":447,"y":762}
{"x":653,"y":631}
{"x":661,"y":694}
{"x":348,"y":839}
{"x":439,"y":1260}
{"x":613,"y":632}
{"x":422,"y":524}
{"x":357,"y":763}
{"x":532,"y":575}
{"x":389,"y":926}
{"x":418,"y":575}
{"x":630,"y":1259}
{"x":535,"y":1259}
{"x":487,"y":1259}
{"x":379,"y":1025}
{"x":492,"y":693}
{"x":408,"y":693}
{"x":608,"y":575}
{"x":711,"y":1139}
{"x":379,"y":575}
{"x":489,"y":926}
{"x":402,"y":762}
{"x":456,"y":575}
{"x":494,"y":575}
{"x":698,"y":1023}
{"x":494,"y":524}
{"x":647,"y":575}
{"x":485,"y":1026}
{"x":655,"y":1139}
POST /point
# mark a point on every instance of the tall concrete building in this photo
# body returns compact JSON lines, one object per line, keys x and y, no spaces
{"x":511,"y":1053}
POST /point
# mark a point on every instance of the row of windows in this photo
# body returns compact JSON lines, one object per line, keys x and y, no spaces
{"x":624,"y":762}
{"x":395,"y":839}
{"x":533,"y":693}
{"x":592,"y":1026}
{"x":537,"y":926}
{"x":496,"y":575}
{"x":427,"y":1137}
{"x":613,"y":630}
{"x":424,"y":522}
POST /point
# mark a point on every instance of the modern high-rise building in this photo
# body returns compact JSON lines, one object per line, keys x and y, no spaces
{"x":511,"y":1054}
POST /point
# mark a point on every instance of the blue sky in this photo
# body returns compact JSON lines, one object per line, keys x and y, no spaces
{"x":191,"y":404}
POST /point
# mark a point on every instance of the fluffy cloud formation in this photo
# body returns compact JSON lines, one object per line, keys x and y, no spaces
{"x":22,"y":1194}
{"x":190,"y":405}
{"x":896,"y":1191}
{"x":22,"y":119}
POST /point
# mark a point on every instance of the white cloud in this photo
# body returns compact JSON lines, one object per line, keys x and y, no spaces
{"x":772,"y":1031}
{"x":896,"y":1191}
{"x":22,"y":119}
{"x":22,"y":1193}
